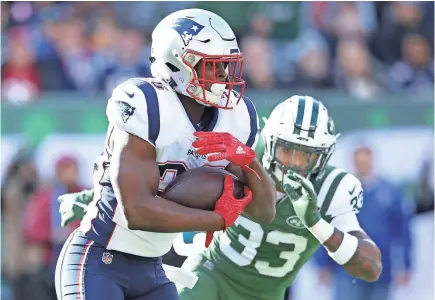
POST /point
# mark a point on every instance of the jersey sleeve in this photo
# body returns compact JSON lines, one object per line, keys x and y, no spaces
{"x":134,"y":108}
{"x":346,"y":203}
{"x":254,"y":123}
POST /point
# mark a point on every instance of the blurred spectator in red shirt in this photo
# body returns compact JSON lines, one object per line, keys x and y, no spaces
{"x":42,"y":219}
{"x":20,"y":76}
{"x":20,"y":261}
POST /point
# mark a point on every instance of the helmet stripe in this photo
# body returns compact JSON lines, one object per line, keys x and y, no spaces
{"x":300,"y":115}
{"x":314,"y":117}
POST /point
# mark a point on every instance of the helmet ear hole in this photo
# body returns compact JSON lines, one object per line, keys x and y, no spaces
{"x":172,"y":67}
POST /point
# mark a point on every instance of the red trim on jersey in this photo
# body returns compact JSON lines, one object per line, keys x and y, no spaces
{"x":80,"y":277}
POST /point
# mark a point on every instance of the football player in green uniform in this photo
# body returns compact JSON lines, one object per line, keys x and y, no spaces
{"x":316,"y":205}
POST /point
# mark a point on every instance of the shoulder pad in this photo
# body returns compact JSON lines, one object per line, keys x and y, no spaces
{"x":345,"y":195}
{"x":134,"y":108}
{"x":253,"y":122}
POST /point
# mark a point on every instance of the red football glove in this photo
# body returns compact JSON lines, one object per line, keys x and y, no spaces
{"x":225,"y":146}
{"x":229,"y":207}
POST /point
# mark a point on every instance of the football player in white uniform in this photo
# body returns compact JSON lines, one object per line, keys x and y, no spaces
{"x":253,"y":261}
{"x":192,"y":113}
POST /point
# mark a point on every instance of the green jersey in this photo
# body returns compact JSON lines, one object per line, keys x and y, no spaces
{"x":260,"y":258}
{"x":271,"y":255}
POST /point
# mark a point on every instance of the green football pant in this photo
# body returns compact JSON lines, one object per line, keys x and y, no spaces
{"x":215,"y":285}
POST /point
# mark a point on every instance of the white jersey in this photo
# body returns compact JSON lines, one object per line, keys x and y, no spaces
{"x":341,"y":198}
{"x":148,"y":108}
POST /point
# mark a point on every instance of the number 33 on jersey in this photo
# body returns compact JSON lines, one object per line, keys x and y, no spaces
{"x":274,"y":253}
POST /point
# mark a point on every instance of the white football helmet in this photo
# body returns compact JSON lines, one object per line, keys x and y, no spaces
{"x":186,"y":37}
{"x":299,"y":136}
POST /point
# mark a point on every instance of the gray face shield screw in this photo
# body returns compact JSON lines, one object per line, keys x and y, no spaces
{"x":190,"y":58}
{"x":193,"y":89}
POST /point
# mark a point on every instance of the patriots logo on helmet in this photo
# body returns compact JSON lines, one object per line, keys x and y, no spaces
{"x":125,"y":109}
{"x":187,"y":29}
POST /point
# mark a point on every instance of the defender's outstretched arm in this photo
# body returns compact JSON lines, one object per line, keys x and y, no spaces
{"x":365,"y":262}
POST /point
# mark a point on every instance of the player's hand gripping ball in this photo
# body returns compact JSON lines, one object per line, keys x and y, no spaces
{"x":229,"y":207}
{"x":222,"y":145}
{"x":211,"y":189}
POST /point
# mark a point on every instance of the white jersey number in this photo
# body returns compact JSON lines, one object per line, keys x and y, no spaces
{"x":251,"y":244}
{"x":168,"y":172}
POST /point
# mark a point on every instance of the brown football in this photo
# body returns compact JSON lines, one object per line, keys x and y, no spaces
{"x":200,"y":187}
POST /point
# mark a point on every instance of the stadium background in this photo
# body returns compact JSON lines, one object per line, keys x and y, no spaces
{"x":370,"y":63}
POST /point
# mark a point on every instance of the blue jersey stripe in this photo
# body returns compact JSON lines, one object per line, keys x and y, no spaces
{"x":254,"y":125}
{"x":103,"y":225}
{"x":153,"y":110}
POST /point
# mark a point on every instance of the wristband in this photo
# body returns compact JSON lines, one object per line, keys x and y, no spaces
{"x":346,"y":250}
{"x":322,"y":230}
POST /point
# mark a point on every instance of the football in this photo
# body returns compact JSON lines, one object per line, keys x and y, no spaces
{"x":201,"y":188}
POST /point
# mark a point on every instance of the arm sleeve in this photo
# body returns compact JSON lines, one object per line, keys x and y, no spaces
{"x":134,"y":108}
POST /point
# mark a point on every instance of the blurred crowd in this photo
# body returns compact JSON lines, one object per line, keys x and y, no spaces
{"x":32,"y":236}
{"x":363,"y":48}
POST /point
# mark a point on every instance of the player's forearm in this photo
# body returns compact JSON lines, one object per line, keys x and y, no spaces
{"x":366,"y":261}
{"x":262,"y":208}
{"x":161,"y":215}
{"x":136,"y":191}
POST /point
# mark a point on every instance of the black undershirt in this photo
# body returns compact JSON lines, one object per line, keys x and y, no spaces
{"x":206,"y":118}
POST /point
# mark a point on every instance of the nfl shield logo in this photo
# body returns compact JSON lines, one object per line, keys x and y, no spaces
{"x":107,"y":258}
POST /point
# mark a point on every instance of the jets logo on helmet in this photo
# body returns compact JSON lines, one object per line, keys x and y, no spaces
{"x":187,"y":29}
{"x":331,"y":126}
{"x":299,"y":136}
